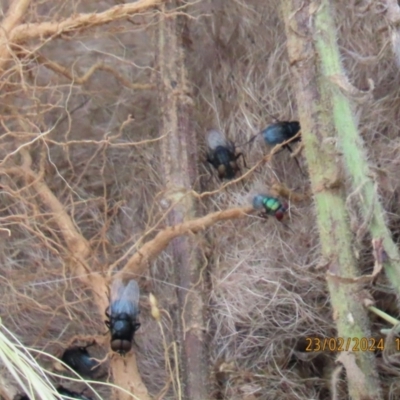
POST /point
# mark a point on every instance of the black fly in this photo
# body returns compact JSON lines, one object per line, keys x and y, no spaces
{"x":280,"y":132}
{"x":79,"y":359}
{"x":123,"y":315}
{"x":62,"y":391}
{"x":221,"y":154}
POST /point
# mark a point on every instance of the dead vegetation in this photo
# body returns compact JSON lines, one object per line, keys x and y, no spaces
{"x":91,"y":180}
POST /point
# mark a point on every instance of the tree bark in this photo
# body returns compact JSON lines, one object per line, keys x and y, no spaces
{"x":179,"y":161}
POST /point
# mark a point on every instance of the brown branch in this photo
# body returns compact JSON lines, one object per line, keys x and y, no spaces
{"x":127,"y":376}
{"x":179,"y":157}
{"x":140,"y":261}
{"x":80,"y":80}
{"x":80,"y":251}
{"x":76,"y":243}
{"x":125,"y":371}
{"x":79,"y":21}
{"x":14,"y":15}
{"x":12,"y":34}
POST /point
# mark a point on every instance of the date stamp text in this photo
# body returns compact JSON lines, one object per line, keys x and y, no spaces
{"x":347,"y":344}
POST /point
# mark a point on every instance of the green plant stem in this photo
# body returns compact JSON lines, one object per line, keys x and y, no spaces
{"x":383,"y":315}
{"x":349,"y":140}
{"x":317,"y":130}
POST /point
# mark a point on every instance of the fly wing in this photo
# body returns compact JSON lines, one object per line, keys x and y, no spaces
{"x":125,"y":297}
{"x":258,"y":201}
{"x":215,"y":138}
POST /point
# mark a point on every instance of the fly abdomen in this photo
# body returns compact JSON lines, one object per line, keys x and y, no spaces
{"x":123,"y":329}
{"x":226,"y":163}
{"x":221,"y":154}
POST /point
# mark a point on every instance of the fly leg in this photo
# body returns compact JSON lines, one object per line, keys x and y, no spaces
{"x":293,"y":155}
{"x":244,"y":159}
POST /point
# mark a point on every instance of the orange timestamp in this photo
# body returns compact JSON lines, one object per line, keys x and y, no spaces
{"x":347,"y":344}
